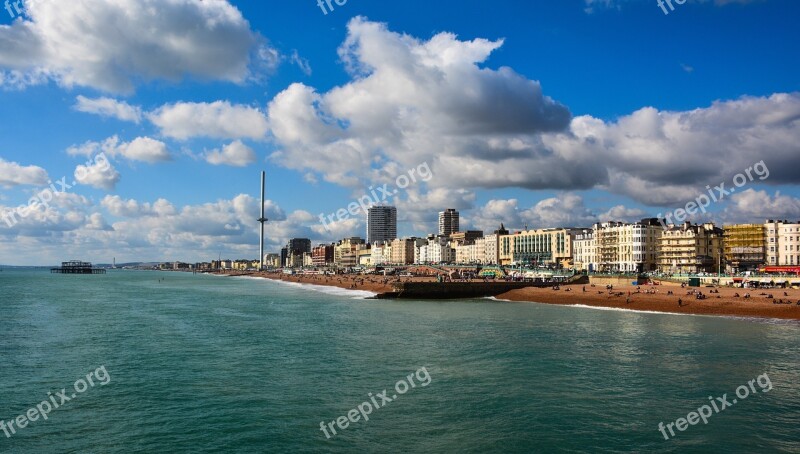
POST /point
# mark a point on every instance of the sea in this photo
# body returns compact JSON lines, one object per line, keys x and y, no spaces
{"x":158,"y":362}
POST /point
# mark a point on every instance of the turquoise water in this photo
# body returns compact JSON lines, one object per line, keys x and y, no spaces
{"x":209,"y":364}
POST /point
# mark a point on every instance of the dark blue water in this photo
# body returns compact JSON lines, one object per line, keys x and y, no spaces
{"x":208,"y":364}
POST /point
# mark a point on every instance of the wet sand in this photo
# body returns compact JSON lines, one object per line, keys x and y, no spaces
{"x":725,"y":303}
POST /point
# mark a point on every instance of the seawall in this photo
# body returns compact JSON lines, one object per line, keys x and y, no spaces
{"x":454,"y":290}
{"x":616,"y":280}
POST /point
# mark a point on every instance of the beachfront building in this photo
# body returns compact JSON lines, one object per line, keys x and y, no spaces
{"x":322,"y":255}
{"x":477,"y":253}
{"x":745,"y":247}
{"x":467,"y":237}
{"x":365,"y":257}
{"x":688,"y":248}
{"x":448,"y":222}
{"x":381,"y":254}
{"x":782,"y":243}
{"x":627,"y":248}
{"x":381,"y":224}
{"x":299,"y":245}
{"x":464,"y":252}
{"x":542,"y":247}
{"x":403,"y":251}
{"x":441,"y":253}
{"x":295,"y":260}
{"x":272,"y":260}
{"x":292,"y":254}
{"x":584,"y":251}
{"x":491,"y":246}
{"x":345,"y":252}
{"x":491,"y":252}
{"x":465,"y":246}
{"x":436,"y":250}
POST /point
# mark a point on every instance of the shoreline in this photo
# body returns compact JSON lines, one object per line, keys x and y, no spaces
{"x":724,"y":304}
{"x":372,"y":284}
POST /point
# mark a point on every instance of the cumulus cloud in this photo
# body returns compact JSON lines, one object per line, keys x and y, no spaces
{"x":411,"y":100}
{"x":235,"y":154}
{"x":65,"y":212}
{"x":142,"y":149}
{"x":565,"y":210}
{"x":623,"y":213}
{"x":219,"y":119}
{"x":96,"y":221}
{"x":665,"y":158}
{"x":115,"y":45}
{"x":194,"y":230}
{"x":119,"y":207}
{"x":99,"y":174}
{"x":14,"y":174}
{"x":489,"y":217}
{"x":157,"y":230}
{"x":754,"y":206}
{"x":108,"y":107}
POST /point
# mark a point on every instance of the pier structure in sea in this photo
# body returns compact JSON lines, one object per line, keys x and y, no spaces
{"x":77,"y":267}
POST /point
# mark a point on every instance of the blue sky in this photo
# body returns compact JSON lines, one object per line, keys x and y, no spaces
{"x":532,"y":113}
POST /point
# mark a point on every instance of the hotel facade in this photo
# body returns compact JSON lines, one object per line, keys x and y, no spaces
{"x":782,"y":243}
{"x":537,"y":247}
{"x":688,"y":248}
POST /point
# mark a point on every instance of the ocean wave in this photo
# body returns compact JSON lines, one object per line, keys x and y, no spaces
{"x":336,"y":291}
{"x":638,"y":311}
{"x":765,"y":320}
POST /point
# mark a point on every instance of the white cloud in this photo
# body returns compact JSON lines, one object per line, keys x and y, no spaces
{"x":13,"y":174}
{"x":565,"y":210}
{"x":115,"y":45}
{"x":96,"y":221}
{"x":301,"y":63}
{"x":752,"y":206}
{"x":120,"y":207}
{"x":100,"y":174}
{"x":489,"y":217}
{"x":668,"y":158}
{"x":73,"y":226}
{"x":234,"y":154}
{"x":108,"y":107}
{"x":623,"y":213}
{"x":218,"y":119}
{"x":142,"y":149}
{"x":336,"y":230}
{"x":411,"y":101}
{"x":65,"y":212}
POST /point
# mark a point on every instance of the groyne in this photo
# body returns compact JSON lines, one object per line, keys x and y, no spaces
{"x":454,"y":290}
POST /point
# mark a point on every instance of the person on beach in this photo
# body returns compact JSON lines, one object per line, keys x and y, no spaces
{"x":680,"y":302}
